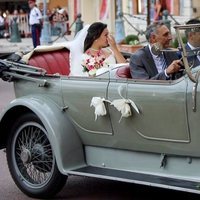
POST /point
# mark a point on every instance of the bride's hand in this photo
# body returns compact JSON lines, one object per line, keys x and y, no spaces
{"x":118,"y":56}
{"x":111,"y":42}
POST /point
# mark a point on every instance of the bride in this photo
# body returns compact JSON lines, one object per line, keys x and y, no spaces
{"x":98,"y":50}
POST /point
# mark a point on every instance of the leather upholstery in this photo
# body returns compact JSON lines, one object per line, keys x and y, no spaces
{"x":53,"y":62}
{"x":58,"y":61}
{"x":124,"y":72}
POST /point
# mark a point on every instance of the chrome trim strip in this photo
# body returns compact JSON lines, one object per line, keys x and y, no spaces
{"x":162,"y":139}
{"x":90,"y":131}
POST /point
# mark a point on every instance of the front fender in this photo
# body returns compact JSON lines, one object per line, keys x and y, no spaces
{"x":64,"y":139}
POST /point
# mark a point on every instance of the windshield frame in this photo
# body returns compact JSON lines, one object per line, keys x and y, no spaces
{"x":182,"y":48}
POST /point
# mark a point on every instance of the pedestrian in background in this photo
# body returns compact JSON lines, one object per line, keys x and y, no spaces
{"x":159,"y":6}
{"x":2,"y":24}
{"x":35,"y":21}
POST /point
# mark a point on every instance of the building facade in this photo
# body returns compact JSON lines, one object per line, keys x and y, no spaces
{"x":135,"y":11}
{"x":179,"y":11}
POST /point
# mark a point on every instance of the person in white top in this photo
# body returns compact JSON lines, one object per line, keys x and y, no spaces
{"x":1,"y":21}
{"x":100,"y":49}
{"x":35,"y":21}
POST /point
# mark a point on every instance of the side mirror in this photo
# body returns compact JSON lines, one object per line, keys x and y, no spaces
{"x":156,"y":49}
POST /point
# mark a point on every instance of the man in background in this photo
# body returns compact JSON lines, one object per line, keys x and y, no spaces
{"x":35,"y":21}
{"x":193,"y":42}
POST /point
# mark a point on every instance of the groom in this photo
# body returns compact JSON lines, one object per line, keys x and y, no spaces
{"x":145,"y":65}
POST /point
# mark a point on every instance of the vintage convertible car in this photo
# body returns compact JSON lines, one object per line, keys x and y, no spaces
{"x":109,"y":126}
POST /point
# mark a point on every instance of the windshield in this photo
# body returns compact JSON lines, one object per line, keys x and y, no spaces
{"x":188,"y":44}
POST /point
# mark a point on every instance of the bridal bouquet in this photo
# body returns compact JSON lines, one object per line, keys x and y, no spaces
{"x":92,"y":63}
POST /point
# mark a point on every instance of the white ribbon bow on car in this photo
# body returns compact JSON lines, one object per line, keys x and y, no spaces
{"x":123,"y":105}
{"x":99,"y":105}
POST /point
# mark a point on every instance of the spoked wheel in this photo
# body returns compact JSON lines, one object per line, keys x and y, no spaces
{"x":31,"y":159}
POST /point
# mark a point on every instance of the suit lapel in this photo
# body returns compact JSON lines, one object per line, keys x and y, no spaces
{"x":190,"y":58}
{"x":196,"y":62}
{"x":170,"y":57}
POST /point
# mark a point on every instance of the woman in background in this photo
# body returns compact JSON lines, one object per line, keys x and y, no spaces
{"x":159,"y":6}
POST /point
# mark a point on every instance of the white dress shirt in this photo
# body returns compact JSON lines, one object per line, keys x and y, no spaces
{"x":1,"y":20}
{"x":160,"y":62}
{"x":35,"y":16}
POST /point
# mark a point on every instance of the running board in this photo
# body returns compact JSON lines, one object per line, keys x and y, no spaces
{"x":139,"y":178}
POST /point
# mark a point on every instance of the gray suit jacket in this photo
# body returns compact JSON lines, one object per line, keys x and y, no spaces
{"x":142,"y":65}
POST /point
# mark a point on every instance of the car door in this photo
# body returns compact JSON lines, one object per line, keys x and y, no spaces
{"x":162,"y":114}
{"x":77,"y":95}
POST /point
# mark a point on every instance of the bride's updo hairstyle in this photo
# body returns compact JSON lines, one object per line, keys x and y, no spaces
{"x":94,"y":32}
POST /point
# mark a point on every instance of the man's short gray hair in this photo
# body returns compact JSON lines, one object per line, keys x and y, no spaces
{"x":152,"y":28}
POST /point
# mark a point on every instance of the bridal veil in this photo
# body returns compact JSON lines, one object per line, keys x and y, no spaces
{"x":76,"y":52}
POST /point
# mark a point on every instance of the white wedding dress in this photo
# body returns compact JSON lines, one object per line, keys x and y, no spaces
{"x":110,"y":59}
{"x":107,"y":63}
{"x":76,"y":54}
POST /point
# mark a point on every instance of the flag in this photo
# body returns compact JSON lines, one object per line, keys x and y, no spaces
{"x":104,"y":8}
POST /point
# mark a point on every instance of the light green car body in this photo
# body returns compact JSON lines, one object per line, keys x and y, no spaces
{"x":159,"y":146}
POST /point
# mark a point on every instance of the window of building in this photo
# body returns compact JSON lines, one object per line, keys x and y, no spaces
{"x":172,"y":6}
